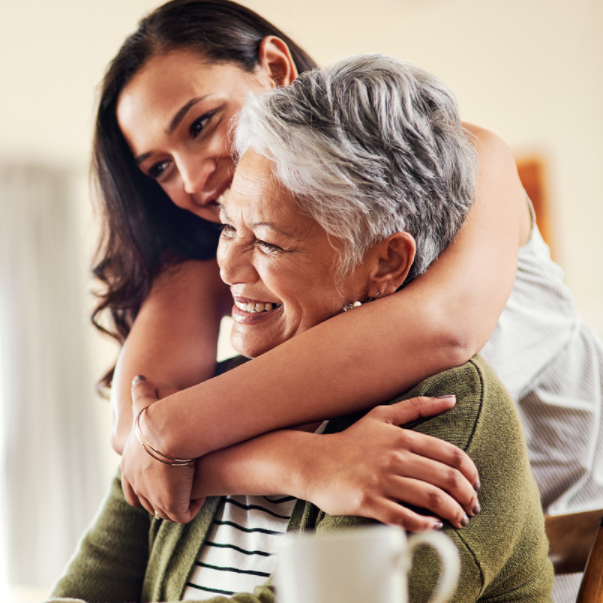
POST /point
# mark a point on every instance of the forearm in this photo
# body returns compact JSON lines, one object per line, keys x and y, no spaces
{"x":173,"y":340}
{"x":274,"y":463}
{"x":354,"y":361}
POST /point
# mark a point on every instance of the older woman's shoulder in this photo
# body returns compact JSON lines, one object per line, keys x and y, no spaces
{"x":479,"y":394}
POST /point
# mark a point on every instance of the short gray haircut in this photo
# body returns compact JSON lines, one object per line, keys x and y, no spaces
{"x":368,"y":146}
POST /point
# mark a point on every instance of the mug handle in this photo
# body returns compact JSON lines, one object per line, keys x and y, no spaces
{"x":451,"y":564}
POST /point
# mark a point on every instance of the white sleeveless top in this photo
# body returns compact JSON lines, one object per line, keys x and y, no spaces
{"x":552,"y":364}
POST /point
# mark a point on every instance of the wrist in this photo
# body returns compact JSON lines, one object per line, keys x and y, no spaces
{"x":304,"y":467}
{"x":152,"y":450}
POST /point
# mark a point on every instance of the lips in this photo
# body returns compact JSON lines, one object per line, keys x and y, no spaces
{"x":217,"y":196}
{"x":256,"y":307}
{"x":249,"y":311}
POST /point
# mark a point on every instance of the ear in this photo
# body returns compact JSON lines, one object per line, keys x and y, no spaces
{"x":276,"y":60}
{"x":390,"y":262}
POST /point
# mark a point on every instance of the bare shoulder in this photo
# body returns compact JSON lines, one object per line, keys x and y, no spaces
{"x":498,"y":174}
{"x":490,"y":146}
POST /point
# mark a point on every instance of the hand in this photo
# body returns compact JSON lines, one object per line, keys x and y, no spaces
{"x":373,"y":465}
{"x":156,"y":486}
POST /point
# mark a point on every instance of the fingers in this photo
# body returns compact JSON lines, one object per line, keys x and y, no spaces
{"x":443,"y":452}
{"x":437,"y":475}
{"x":412,"y":409}
{"x":427,"y":496}
{"x":143,"y":392}
{"x":394,"y":514}
{"x":147,"y":505}
{"x":129,"y":494}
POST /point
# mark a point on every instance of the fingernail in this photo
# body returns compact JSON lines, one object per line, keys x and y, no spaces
{"x":477,"y":485}
{"x":465,"y":521}
{"x":477,"y":508}
{"x":138,"y":379}
{"x":438,"y":525}
{"x":449,"y":396}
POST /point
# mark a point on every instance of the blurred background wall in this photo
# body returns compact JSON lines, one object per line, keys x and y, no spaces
{"x":530,"y":70}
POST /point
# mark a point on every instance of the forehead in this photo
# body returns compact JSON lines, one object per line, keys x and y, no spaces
{"x":166,"y":81}
{"x":257,"y":196}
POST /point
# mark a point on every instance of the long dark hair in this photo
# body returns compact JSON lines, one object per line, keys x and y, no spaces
{"x":142,"y":230}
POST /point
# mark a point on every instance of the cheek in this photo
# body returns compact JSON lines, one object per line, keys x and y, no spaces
{"x":311,"y":300}
{"x":175,"y":191}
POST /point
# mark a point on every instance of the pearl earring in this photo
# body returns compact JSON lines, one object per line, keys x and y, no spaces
{"x":357,"y":304}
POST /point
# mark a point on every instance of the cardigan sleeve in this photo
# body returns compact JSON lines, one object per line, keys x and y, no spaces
{"x":503,"y":550}
{"x":110,"y":561}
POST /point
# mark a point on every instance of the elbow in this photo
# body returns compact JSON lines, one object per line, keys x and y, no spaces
{"x":458,"y":350}
{"x":455,"y":346}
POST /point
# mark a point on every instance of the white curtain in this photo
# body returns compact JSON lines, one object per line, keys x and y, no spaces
{"x":51,"y":474}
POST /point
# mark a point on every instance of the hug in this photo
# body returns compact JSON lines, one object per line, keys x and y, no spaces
{"x":350,"y":183}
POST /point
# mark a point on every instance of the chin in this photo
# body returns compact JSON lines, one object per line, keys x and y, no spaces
{"x":248,"y":346}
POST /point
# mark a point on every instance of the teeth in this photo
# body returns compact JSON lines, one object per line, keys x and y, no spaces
{"x":223,"y":196}
{"x":256,"y":307}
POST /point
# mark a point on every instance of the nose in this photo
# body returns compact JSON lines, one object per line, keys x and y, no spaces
{"x":195,"y":173}
{"x":236,"y":263}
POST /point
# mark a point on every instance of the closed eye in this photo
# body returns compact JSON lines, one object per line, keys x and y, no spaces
{"x":268,"y":248}
{"x":227,"y":231}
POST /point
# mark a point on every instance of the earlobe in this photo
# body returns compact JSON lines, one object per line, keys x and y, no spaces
{"x":275,"y":59}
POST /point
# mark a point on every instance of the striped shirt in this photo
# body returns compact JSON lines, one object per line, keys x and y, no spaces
{"x":238,"y":553}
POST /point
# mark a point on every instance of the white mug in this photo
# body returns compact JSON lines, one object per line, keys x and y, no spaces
{"x":358,"y":565}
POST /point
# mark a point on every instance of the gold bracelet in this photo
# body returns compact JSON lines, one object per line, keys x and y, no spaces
{"x":153,"y":452}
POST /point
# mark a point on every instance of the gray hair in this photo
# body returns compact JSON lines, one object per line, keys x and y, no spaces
{"x":368,"y":146}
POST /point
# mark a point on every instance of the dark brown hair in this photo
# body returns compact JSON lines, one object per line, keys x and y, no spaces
{"x":142,"y":230}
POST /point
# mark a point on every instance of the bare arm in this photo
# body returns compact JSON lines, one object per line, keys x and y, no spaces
{"x":173,"y":340}
{"x":360,"y":471}
{"x":354,"y":361}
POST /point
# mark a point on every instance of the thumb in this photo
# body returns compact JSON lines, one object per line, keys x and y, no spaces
{"x":420,"y":407}
{"x":143,"y":392}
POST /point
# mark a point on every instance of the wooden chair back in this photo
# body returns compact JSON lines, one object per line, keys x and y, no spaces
{"x":591,"y":587}
{"x":576,"y":545}
{"x":570,"y":539}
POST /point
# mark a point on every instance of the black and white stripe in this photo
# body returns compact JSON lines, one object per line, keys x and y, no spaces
{"x":237,"y":555}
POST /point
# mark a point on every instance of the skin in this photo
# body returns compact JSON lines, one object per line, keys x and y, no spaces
{"x":271,"y":252}
{"x":295,"y":273}
{"x":442,"y":318}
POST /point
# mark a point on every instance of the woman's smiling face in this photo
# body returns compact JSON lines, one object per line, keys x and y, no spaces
{"x":175,"y":116}
{"x":278,"y":262}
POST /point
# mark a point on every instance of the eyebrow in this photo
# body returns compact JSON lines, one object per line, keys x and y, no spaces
{"x":140,"y":158}
{"x":182,"y":112}
{"x":272,"y":227}
{"x":258,"y":224}
{"x":176,"y":120}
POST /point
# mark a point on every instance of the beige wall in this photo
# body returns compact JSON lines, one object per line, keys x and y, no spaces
{"x":531,"y":70}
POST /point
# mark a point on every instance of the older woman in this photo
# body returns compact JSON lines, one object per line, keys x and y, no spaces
{"x":350,"y":184}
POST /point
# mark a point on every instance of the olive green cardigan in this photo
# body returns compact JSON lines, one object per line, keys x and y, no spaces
{"x":129,"y":556}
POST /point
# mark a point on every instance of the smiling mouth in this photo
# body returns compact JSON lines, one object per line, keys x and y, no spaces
{"x":256,"y":307}
{"x":218,"y":201}
{"x":249,"y":311}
